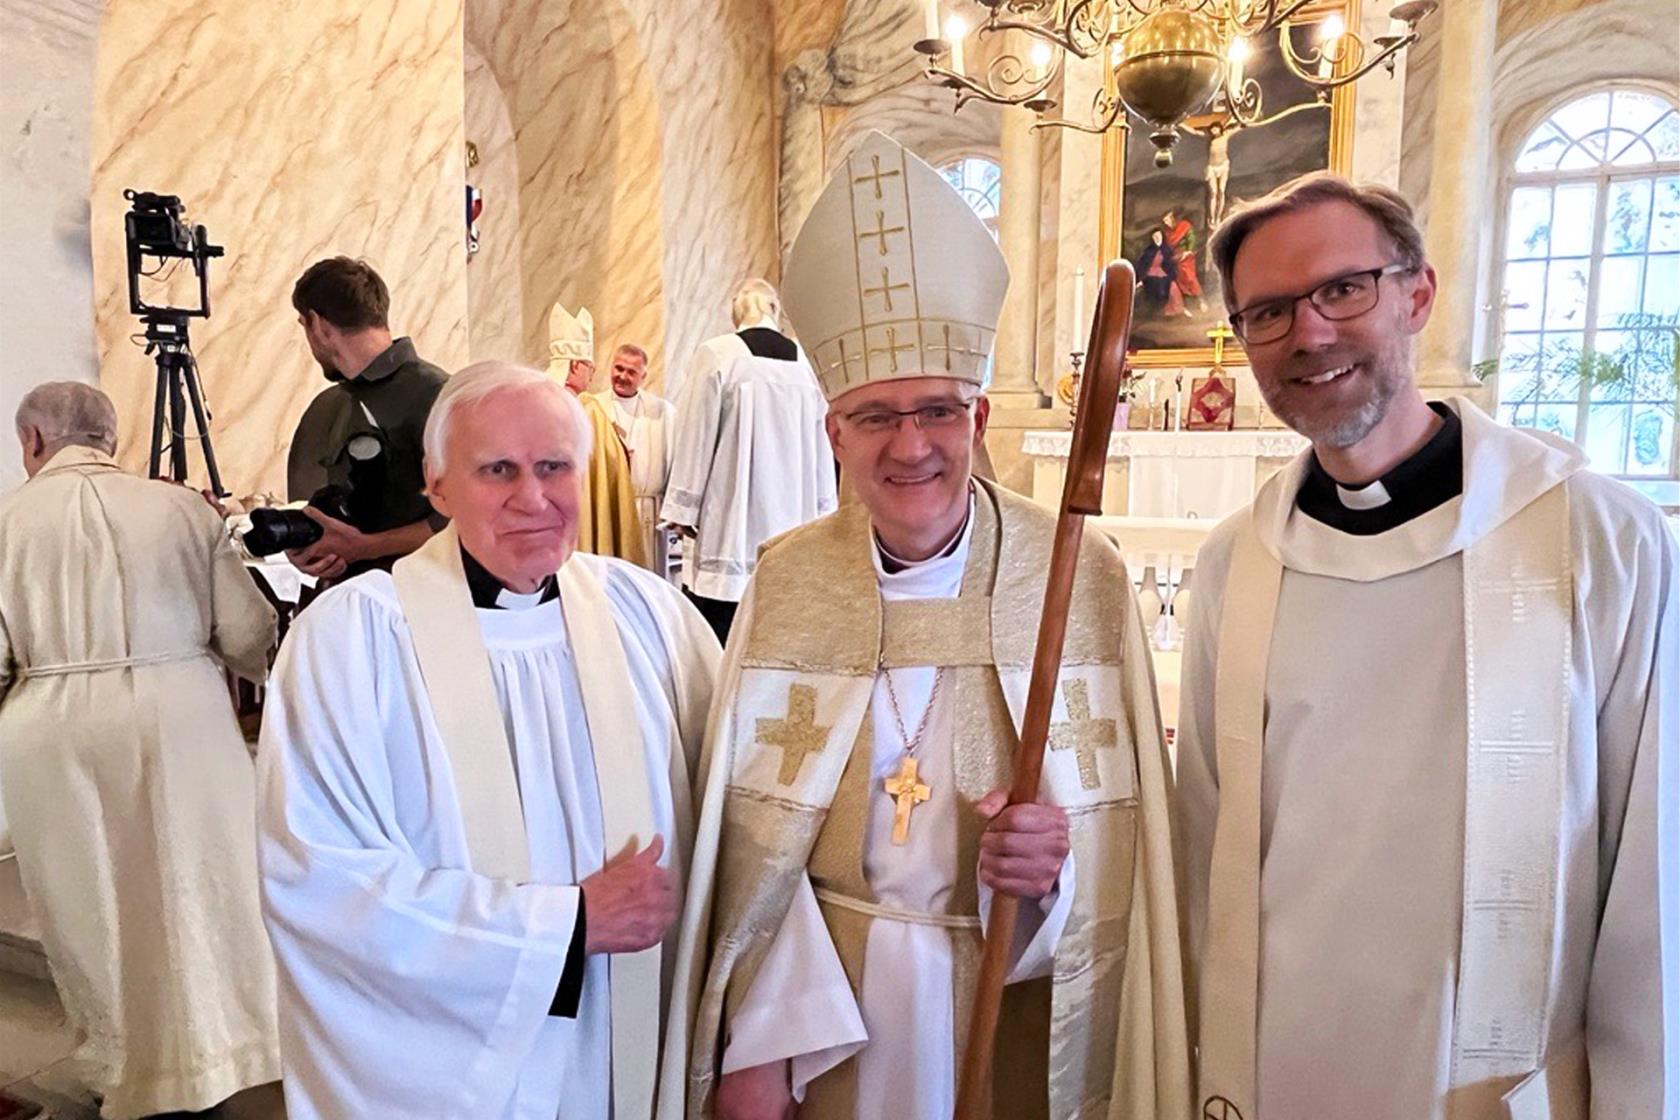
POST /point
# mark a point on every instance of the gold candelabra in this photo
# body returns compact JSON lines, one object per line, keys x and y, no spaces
{"x":1165,"y":59}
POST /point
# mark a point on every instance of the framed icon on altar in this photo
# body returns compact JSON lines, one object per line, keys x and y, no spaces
{"x":1161,"y":218}
{"x":1213,"y":403}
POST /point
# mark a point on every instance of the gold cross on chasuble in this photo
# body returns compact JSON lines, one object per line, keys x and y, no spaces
{"x":908,"y":792}
{"x":1082,"y":734}
{"x":798,"y":735}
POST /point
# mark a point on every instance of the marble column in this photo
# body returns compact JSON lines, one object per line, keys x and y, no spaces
{"x":1015,"y":358}
{"x":1458,"y":184}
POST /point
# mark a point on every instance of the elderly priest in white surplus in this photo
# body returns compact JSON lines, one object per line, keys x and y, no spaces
{"x":475,"y":796}
{"x":853,"y":825}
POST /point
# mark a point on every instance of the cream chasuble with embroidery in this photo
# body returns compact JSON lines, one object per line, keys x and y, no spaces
{"x":826,"y":943}
{"x":436,"y":779}
{"x":1430,"y":782}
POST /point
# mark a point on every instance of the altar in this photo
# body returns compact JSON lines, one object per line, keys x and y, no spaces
{"x":1201,"y":475}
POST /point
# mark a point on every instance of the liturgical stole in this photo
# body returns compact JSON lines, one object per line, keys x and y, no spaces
{"x":1518,"y":615}
{"x":448,"y":643}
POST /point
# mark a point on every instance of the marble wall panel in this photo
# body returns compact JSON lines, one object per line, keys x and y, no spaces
{"x":645,"y":164}
{"x":46,"y":100}
{"x":294,"y":131}
{"x":495,"y":284}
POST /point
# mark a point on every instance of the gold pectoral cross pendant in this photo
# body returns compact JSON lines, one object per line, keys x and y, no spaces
{"x":908,"y":792}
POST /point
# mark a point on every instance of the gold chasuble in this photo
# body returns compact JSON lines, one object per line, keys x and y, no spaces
{"x":788,"y":792}
{"x":607,"y":521}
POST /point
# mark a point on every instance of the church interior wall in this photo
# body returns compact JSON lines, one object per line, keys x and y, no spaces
{"x":294,"y":133}
{"x":495,"y":282}
{"x":46,"y":100}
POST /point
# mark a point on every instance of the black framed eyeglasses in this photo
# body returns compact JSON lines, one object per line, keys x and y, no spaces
{"x":880,"y":421}
{"x":1347,"y":296}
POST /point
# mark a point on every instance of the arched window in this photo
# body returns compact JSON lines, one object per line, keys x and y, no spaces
{"x":1591,"y":281}
{"x":978,"y":180}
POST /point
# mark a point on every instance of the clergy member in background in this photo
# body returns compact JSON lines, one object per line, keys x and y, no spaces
{"x":475,"y":790}
{"x":1429,"y":757}
{"x":128,"y":785}
{"x":853,"y":827}
{"x":751,"y":460}
{"x":643,"y":420}
{"x":607,"y":524}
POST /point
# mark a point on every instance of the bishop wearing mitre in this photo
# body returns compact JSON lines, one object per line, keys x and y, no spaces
{"x":853,"y":828}
{"x":608,"y":524}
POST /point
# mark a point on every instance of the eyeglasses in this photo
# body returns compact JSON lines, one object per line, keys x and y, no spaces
{"x":1345,"y":297}
{"x":930,"y":417}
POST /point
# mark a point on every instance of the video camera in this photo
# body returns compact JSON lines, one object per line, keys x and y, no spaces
{"x":155,"y":229}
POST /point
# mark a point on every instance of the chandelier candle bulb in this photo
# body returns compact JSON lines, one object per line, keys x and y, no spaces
{"x":1040,"y":54}
{"x":1329,"y":44}
{"x":1237,"y":57}
{"x":955,"y":29}
{"x":931,"y":22}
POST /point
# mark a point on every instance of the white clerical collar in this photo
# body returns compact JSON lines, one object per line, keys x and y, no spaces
{"x":938,"y":575}
{"x":1373,"y":495}
{"x":631,"y":404}
{"x":514,"y":601}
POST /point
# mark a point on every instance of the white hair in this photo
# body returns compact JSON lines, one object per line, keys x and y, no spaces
{"x":69,"y":413}
{"x":485,"y":379}
{"x":755,"y":300}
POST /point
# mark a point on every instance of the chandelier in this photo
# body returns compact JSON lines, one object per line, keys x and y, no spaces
{"x":1165,"y":59}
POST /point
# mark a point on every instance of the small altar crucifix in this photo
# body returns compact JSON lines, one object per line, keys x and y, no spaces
{"x":1220,"y":333}
{"x":908,"y":793}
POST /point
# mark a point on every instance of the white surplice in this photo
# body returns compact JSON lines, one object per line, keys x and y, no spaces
{"x":1363,"y":796}
{"x":646,"y":421}
{"x":751,"y":461}
{"x":410,"y":985}
{"x":900,"y":1026}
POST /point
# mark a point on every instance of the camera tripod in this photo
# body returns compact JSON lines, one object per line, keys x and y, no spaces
{"x":177,"y":387}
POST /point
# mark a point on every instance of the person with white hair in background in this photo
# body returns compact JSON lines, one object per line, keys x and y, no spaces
{"x":752,"y":459}
{"x":643,"y":420}
{"x":475,"y":795}
{"x":125,"y":777}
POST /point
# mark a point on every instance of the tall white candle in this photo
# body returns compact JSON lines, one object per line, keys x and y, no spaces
{"x":955,"y":31}
{"x":930,"y":24}
{"x":1079,"y":325}
{"x":1329,"y":43}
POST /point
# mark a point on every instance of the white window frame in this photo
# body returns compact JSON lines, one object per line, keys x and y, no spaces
{"x":1602,"y":176}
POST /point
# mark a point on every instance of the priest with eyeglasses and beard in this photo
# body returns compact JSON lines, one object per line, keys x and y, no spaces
{"x":1429,"y":760}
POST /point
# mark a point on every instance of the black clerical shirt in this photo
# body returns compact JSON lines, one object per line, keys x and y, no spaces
{"x":489,"y":593}
{"x":1433,"y":476}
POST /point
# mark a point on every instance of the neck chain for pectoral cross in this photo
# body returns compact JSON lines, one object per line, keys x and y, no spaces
{"x":903,"y":787}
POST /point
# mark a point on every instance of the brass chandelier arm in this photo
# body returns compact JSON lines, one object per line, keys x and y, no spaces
{"x":1103,"y":118}
{"x":1350,"y":44}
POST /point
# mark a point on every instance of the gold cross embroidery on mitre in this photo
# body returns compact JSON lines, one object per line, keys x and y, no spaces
{"x":908,"y":793}
{"x":797,"y":735}
{"x":880,"y":233}
{"x":886,"y":289}
{"x":875,"y":178}
{"x":949,"y":349}
{"x":1082,"y":734}
{"x":893,"y":349}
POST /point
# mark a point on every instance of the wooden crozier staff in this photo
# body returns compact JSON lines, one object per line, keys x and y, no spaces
{"x":1081,"y":498}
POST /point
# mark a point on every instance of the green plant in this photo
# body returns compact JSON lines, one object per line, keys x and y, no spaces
{"x":1644,"y":366}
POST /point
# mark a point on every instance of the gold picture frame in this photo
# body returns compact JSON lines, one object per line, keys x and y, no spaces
{"x":1335,"y":136}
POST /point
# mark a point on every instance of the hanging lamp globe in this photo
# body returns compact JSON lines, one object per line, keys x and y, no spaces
{"x":1171,"y":64}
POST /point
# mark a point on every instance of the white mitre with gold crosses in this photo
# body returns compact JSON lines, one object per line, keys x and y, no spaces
{"x":893,"y":276}
{"x":570,"y":338}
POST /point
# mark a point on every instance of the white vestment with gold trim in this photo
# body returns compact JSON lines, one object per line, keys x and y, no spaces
{"x":420,"y":951}
{"x":1467,"y":810}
